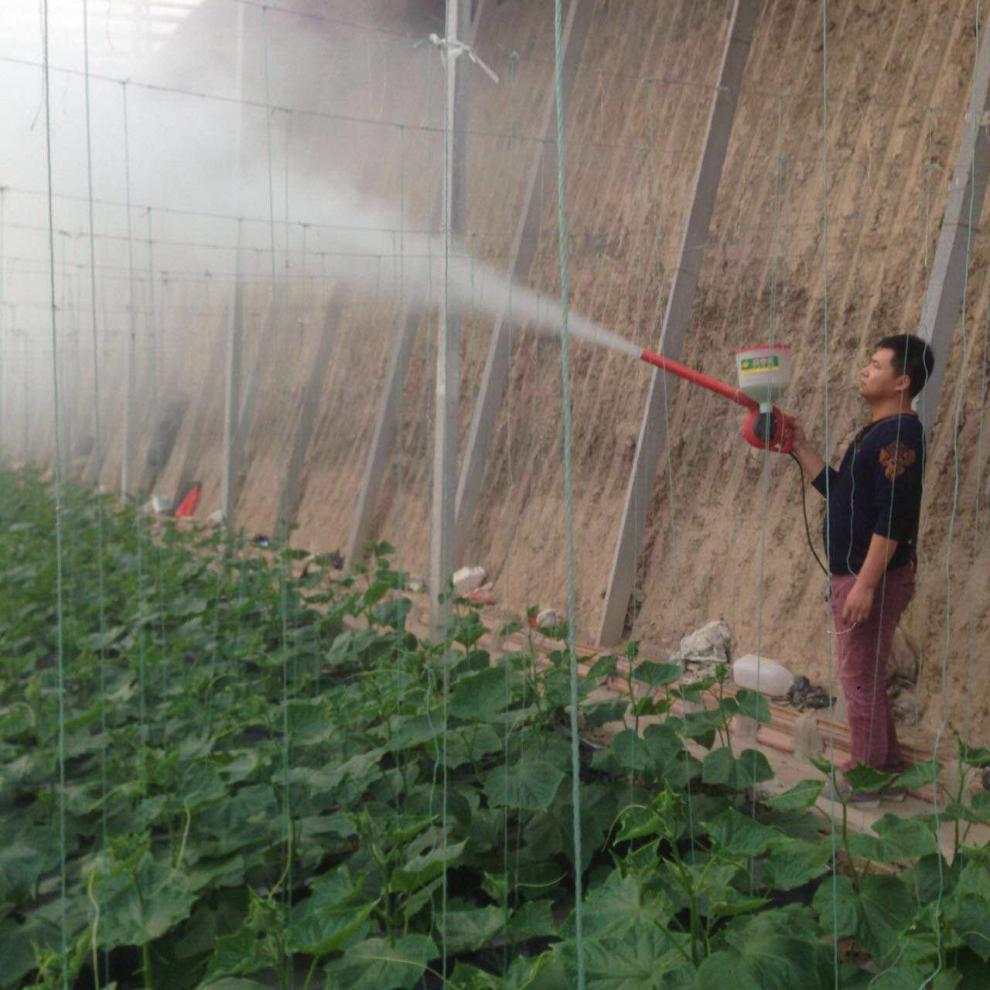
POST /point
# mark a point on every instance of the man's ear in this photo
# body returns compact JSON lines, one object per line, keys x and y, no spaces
{"x":903,"y":383}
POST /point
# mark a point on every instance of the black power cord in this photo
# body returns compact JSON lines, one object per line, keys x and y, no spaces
{"x":804,"y":512}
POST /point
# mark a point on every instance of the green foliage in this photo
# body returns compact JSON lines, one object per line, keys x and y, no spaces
{"x":267,"y":772}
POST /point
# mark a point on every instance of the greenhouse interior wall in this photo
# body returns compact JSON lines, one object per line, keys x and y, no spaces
{"x":291,"y":157}
{"x":365,"y":140}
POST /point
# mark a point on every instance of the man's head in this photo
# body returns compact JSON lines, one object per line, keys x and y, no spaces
{"x":898,"y":368}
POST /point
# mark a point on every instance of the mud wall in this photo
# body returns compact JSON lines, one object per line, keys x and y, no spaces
{"x":725,"y":533}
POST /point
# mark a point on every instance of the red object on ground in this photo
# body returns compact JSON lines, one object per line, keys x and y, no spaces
{"x":187,"y":507}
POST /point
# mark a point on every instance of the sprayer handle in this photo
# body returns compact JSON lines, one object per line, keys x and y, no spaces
{"x":769,"y":431}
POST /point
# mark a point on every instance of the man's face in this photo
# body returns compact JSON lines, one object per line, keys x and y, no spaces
{"x":881,"y":378}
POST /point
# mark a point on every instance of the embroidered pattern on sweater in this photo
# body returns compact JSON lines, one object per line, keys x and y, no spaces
{"x":896,"y":458}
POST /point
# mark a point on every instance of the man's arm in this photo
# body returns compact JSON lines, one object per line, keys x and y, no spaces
{"x":860,"y":600}
{"x":811,"y":461}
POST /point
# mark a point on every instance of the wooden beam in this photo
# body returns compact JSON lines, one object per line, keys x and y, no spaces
{"x":309,"y":406}
{"x":653,"y":430}
{"x":232,"y":436}
{"x":386,"y":420}
{"x":495,"y":377}
{"x":447,"y":398}
{"x":232,"y":395}
{"x":947,"y":282}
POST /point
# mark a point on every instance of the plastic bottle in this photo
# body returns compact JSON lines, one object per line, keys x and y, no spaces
{"x":763,"y":675}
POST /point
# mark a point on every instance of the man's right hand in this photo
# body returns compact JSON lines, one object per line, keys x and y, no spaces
{"x":805,"y":452}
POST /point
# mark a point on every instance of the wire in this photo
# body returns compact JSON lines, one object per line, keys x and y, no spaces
{"x":565,"y":377}
{"x":59,"y":523}
{"x":804,"y":512}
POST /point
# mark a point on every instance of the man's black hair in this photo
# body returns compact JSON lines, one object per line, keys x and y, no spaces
{"x":912,"y":357}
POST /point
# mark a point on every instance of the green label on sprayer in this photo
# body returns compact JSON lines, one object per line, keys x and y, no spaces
{"x":769,"y":363}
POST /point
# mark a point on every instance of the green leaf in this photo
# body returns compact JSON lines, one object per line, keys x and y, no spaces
{"x":601,"y":712}
{"x":919,"y":775}
{"x":866,"y":779}
{"x":749,"y":768}
{"x":837,"y":905}
{"x":533,"y":919}
{"x":619,"y":906}
{"x":376,"y":965}
{"x":905,"y":838}
{"x":974,"y":756}
{"x":20,"y":867}
{"x":795,"y":862}
{"x":531,"y":784}
{"x":233,"y":983}
{"x":334,"y":915}
{"x":626,"y":753}
{"x":603,"y":667}
{"x":703,"y":726}
{"x":430,"y":857}
{"x":657,"y":674}
{"x":979,"y":807}
{"x":392,"y":613}
{"x":638,"y":960}
{"x":482,"y":695}
{"x":886,"y":910}
{"x":800,"y":797}
{"x":739,"y":834}
{"x":972,"y":923}
{"x":471,"y":928}
{"x":136,"y":910}
{"x":753,"y":705}
{"x":775,"y":950}
{"x":722,"y":970}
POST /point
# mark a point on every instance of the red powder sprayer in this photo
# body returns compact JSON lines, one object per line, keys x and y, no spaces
{"x":764,"y":370}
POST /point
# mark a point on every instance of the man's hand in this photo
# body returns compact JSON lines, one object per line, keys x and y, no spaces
{"x":858,"y":604}
{"x":811,"y":461}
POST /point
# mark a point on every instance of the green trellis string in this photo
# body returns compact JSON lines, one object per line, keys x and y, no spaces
{"x":830,"y":660}
{"x":284,"y":562}
{"x":565,"y":381}
{"x":59,"y":605}
{"x":130,"y":446}
{"x":956,"y":420}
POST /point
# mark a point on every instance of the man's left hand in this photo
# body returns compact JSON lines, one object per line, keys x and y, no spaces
{"x":857,"y":605}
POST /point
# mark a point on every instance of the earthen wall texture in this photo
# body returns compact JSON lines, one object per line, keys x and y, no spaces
{"x":725,"y":536}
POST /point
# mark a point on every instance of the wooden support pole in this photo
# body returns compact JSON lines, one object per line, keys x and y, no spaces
{"x":232,"y":393}
{"x":446,"y":419}
{"x":495,"y":377}
{"x":232,"y":436}
{"x":264,"y":357}
{"x":309,"y":407}
{"x":4,"y":322}
{"x":386,"y":420}
{"x":653,"y":430}
{"x":947,"y":282}
{"x":127,"y":485}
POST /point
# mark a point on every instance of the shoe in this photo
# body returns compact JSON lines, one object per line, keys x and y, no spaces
{"x":843,"y":793}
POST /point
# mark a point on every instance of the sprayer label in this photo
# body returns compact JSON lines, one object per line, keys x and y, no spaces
{"x":754,"y":365}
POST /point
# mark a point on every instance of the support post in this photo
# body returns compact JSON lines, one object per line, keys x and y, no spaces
{"x":232,"y":392}
{"x":292,"y":487}
{"x":4,"y":350}
{"x":235,"y":312}
{"x":446,"y":417}
{"x":386,"y":420}
{"x":653,"y":430}
{"x":127,"y":486}
{"x":495,"y":377}
{"x":961,"y":219}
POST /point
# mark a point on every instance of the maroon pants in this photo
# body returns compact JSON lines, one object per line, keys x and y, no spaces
{"x":862,"y":654}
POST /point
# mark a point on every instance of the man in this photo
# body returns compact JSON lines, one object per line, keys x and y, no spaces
{"x":871,"y":526}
